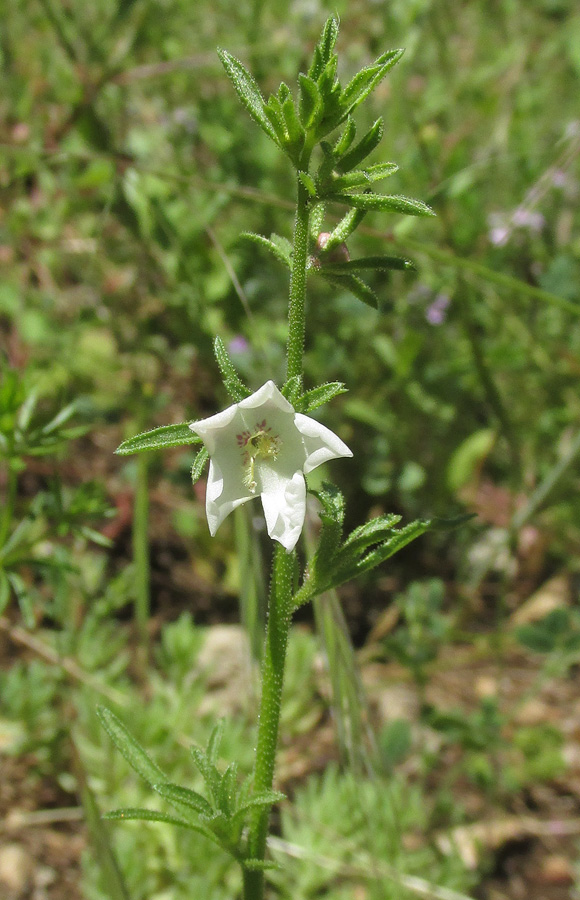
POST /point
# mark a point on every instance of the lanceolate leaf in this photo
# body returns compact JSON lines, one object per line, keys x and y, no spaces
{"x":248,"y":91}
{"x":310,"y":104}
{"x":386,"y":203}
{"x":159,"y":439}
{"x":280,"y":252}
{"x":133,"y":752}
{"x":355,"y":285}
{"x":369,"y":262}
{"x":366,"y":81}
{"x":345,"y":227}
{"x":319,"y":395}
{"x":182,"y":796}
{"x":232,"y":382}
{"x":360,"y":151}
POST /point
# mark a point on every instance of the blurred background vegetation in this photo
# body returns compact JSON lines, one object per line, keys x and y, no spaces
{"x":127,"y":172}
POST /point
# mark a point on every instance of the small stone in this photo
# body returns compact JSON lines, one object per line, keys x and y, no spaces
{"x":16,"y":866}
{"x":557,"y":869}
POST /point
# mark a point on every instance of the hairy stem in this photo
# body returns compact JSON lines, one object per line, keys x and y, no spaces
{"x":297,"y":307}
{"x":279,"y":618}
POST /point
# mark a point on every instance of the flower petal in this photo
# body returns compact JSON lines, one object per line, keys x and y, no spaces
{"x":222,"y":496}
{"x":284,"y":503}
{"x":320,"y":443}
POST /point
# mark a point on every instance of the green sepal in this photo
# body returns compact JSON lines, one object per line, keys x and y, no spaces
{"x":308,"y":182}
{"x":386,"y":203}
{"x":360,"y":151}
{"x":369,"y":262}
{"x":310,"y":102}
{"x":184,"y":797}
{"x":199,"y":464}
{"x":159,"y":439}
{"x":136,"y":756}
{"x":248,"y":91}
{"x":232,"y":382}
{"x":315,"y":397}
{"x":359,"y":288}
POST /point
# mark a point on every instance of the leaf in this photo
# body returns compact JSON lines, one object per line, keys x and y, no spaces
{"x":232,"y":382}
{"x":345,"y":140}
{"x":324,"y":47}
{"x":332,"y":518}
{"x":400,"y":539}
{"x":210,"y":774}
{"x":248,"y":91}
{"x":262,"y":798}
{"x":386,"y":203}
{"x":277,"y":249}
{"x":317,"y":396}
{"x":365,"y":81}
{"x":363,"y":176}
{"x":159,"y":439}
{"x":146,"y":815}
{"x":228,"y":789}
{"x":291,"y":391}
{"x":182,"y":796}
{"x":295,"y":130}
{"x":368,"y":262}
{"x":360,"y":151}
{"x":310,"y":101}
{"x":361,"y":290}
{"x":345,"y":227}
{"x":469,"y":456}
{"x":308,"y":182}
{"x":215,"y":739}
{"x":133,"y":752}
{"x":371,"y":532}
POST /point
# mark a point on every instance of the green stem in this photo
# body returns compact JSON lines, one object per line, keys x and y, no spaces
{"x":297,"y":308}
{"x":279,"y":618}
{"x":141,"y":552}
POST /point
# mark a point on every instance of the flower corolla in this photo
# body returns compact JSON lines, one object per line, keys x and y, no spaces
{"x":262,"y":447}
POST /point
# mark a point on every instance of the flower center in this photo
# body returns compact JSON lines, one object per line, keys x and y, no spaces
{"x":257,"y":445}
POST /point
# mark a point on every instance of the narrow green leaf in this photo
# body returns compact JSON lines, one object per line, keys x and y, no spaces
{"x":262,"y":798}
{"x":359,"y":288}
{"x":291,"y":391}
{"x":385,"y":203}
{"x":324,"y":47}
{"x":308,"y":182}
{"x":276,"y":249}
{"x":332,"y":518}
{"x":370,"y":532}
{"x":363,"y":177}
{"x":228,"y":789}
{"x":215,"y":739}
{"x":159,"y":439}
{"x":345,"y":140}
{"x":182,"y":796}
{"x":295,"y":130}
{"x":61,"y":417}
{"x":232,"y":382}
{"x":146,"y":815}
{"x":360,"y":151}
{"x":4,"y":592}
{"x":248,"y":91}
{"x":359,"y":88}
{"x":345,"y":228}
{"x":323,"y":394}
{"x":199,"y":464}
{"x":368,"y":262}
{"x":310,"y":101}
{"x":133,"y":752}
{"x":400,"y":539}
{"x":210,"y":774}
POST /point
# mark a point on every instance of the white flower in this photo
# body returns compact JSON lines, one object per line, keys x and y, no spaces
{"x":261,"y":446}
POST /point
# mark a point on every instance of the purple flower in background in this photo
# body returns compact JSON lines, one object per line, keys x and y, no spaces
{"x":238,"y":344}
{"x":436,"y":313}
